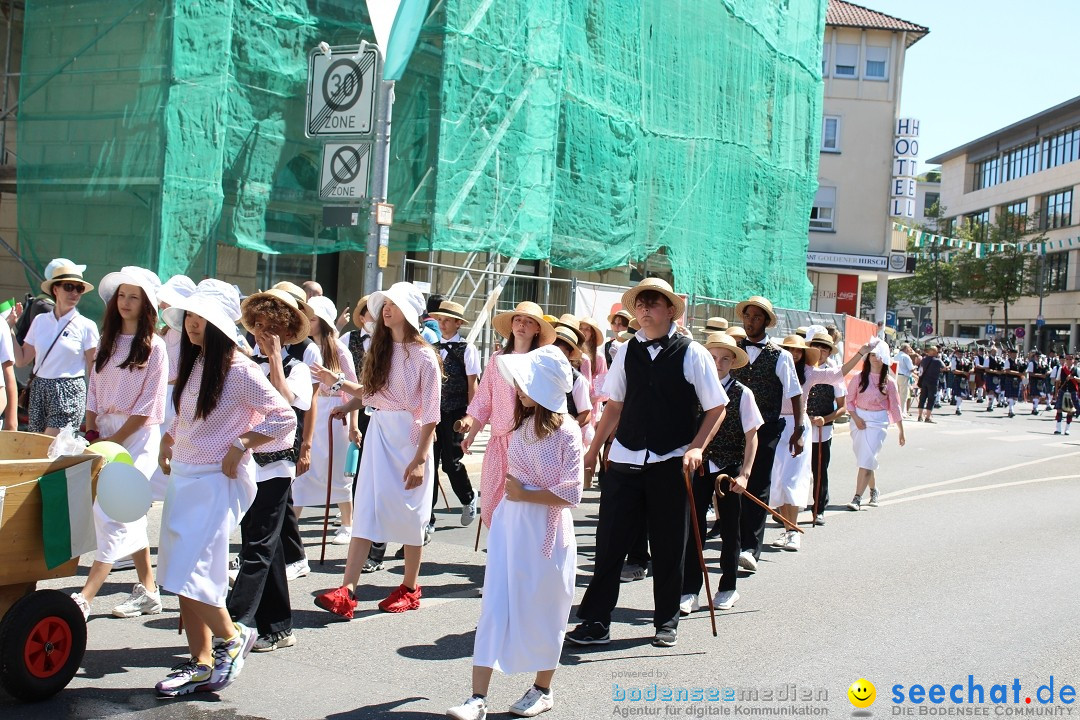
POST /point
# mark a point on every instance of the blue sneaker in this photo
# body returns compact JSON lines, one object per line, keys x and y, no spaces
{"x":229,"y":657}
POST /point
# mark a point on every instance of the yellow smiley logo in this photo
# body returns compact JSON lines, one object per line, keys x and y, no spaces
{"x":862,"y":693}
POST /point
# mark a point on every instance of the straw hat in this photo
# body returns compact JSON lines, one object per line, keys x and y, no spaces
{"x":800,"y":331}
{"x":325,"y":310}
{"x":621,"y":312}
{"x":598,"y":334}
{"x":635,"y":325}
{"x":542,"y":374}
{"x":725,"y":341}
{"x":794,"y":342}
{"x":144,"y":279}
{"x":247,"y":313}
{"x":629,"y":298}
{"x":449,"y":309}
{"x":761,"y":302}
{"x":175,"y":289}
{"x":821,"y":339}
{"x":570,"y":321}
{"x":298,"y":294}
{"x":61,"y":270}
{"x":736,"y":332}
{"x":215,"y":301}
{"x":407,"y":297}
{"x":716,"y":324}
{"x":358,"y":312}
{"x":567,"y":335}
{"x":504,"y":321}
{"x":551,"y":319}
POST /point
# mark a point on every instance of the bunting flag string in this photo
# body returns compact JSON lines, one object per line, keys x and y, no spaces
{"x":922,"y":239}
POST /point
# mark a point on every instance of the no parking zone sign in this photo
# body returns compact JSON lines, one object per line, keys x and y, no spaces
{"x":341,"y":92}
{"x":344,"y":175}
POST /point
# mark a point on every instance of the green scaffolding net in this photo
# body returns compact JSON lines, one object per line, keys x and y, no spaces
{"x":589,"y":132}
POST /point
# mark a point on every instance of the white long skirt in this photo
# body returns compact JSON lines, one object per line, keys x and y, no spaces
{"x":384,"y":511}
{"x":310,"y":488}
{"x":791,"y":476}
{"x":868,"y":443}
{"x":159,"y":481}
{"x":527,"y":597}
{"x":118,"y":540}
{"x":202,"y":508}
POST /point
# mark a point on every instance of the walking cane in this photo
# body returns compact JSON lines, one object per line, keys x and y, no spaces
{"x":753,"y":498}
{"x":329,"y":479}
{"x":697,"y":543}
{"x":476,"y":545}
{"x":817,"y":478}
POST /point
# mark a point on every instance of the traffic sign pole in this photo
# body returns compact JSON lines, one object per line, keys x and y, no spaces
{"x":379,"y":235}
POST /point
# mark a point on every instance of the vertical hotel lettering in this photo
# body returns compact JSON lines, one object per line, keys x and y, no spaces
{"x":905,"y":150}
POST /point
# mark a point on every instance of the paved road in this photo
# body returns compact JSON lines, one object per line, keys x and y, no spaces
{"x":969,"y":567}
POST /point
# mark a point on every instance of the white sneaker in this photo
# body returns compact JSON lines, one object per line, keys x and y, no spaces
{"x":747,"y":561}
{"x":342,"y":536}
{"x":297,"y":570}
{"x":83,"y":605}
{"x":725,"y":599}
{"x":710,"y":514}
{"x":532,"y":703}
{"x":782,"y":540}
{"x":794,"y":542}
{"x":234,"y":569}
{"x":631,"y":573}
{"x":689,"y":604}
{"x":124,"y":564}
{"x":140,"y":602}
{"x":468,"y":513}
{"x":472,"y":709}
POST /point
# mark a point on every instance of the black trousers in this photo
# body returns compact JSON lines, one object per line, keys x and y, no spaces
{"x":260,"y":595}
{"x":730,"y":508}
{"x":752,"y":524}
{"x":657,"y":497}
{"x":290,"y":535}
{"x":448,"y":452}
{"x":639,"y":548}
{"x":822,"y":450}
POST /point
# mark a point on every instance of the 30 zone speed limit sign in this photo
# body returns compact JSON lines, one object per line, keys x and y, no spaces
{"x":341,"y":92}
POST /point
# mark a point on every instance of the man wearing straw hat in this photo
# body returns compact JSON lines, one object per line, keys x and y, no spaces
{"x":770,"y":374}
{"x":619,"y":322}
{"x":655,"y":387}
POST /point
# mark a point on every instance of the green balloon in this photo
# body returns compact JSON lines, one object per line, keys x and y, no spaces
{"x":112,"y":452}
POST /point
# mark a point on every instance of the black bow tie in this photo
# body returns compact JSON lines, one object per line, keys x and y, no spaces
{"x":760,"y":345}
{"x":661,"y":342}
{"x":449,"y":345}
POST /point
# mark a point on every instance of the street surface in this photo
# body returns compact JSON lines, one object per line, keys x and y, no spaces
{"x":968,"y":567}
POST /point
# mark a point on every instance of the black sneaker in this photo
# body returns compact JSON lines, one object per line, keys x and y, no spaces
{"x":665,"y":637}
{"x":590,"y":633}
{"x":371,"y":566}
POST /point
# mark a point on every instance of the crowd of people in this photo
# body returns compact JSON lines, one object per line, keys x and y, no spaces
{"x":241,"y":409}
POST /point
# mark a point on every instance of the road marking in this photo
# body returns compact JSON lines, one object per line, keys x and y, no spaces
{"x":956,"y":491}
{"x":995,"y":471}
{"x":971,"y":431}
{"x":1023,"y":437}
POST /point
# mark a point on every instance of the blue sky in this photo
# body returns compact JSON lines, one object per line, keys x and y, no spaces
{"x":985,"y":64}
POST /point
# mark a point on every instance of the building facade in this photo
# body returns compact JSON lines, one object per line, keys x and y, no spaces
{"x":850,"y":238}
{"x":1030,"y":168}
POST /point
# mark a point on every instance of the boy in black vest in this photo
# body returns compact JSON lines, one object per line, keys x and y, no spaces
{"x":824,"y":404}
{"x":655,"y":386}
{"x":731,"y":454}
{"x":461,"y":366}
{"x":771,"y":375}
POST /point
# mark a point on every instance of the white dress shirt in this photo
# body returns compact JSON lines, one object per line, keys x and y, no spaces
{"x":301,"y":384}
{"x":472,"y":355}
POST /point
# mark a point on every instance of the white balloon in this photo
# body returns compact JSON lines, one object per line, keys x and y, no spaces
{"x":123,"y":492}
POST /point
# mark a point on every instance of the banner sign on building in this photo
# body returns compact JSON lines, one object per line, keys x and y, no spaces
{"x":905,"y":168}
{"x":847,"y":260}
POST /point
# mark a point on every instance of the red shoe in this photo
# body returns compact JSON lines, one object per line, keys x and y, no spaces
{"x":339,"y":601}
{"x":401,"y":600}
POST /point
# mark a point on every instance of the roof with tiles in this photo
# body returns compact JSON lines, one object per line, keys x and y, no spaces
{"x":846,"y":14}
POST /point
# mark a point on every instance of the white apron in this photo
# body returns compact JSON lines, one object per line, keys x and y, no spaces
{"x":527,"y":597}
{"x":202,"y":508}
{"x":117,"y":540}
{"x":159,"y":481}
{"x":384,"y":511}
{"x":868,"y":443}
{"x":310,"y":488}
{"x":791,"y":476}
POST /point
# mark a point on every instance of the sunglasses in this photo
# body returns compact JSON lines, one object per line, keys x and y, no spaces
{"x":73,"y":288}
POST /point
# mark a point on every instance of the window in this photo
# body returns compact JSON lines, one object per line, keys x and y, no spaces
{"x":987,"y":173}
{"x":825,"y":59}
{"x":978,"y":222}
{"x":877,"y":62}
{"x":1018,"y":215}
{"x":1061,"y":148}
{"x":929,"y":201}
{"x":1057,"y":209}
{"x":847,"y":60}
{"x":1019,"y":162}
{"x":1056,"y":271}
{"x":830,"y":134}
{"x":823,"y":213}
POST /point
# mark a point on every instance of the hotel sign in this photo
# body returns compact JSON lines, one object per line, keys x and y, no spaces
{"x":905,"y":168}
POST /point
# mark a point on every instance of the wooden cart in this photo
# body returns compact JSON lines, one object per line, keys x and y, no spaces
{"x":42,"y":632}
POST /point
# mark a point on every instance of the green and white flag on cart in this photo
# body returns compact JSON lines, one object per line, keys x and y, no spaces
{"x":5,"y":307}
{"x":67,"y":514}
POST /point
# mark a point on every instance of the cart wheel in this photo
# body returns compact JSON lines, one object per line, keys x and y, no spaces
{"x":42,"y":641}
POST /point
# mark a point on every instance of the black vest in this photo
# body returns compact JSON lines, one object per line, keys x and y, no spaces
{"x":760,"y":377}
{"x":729,"y":443}
{"x":356,"y":349}
{"x":571,"y":406}
{"x":659,"y":408}
{"x":821,"y":400}
{"x":296,"y":350}
{"x":291,"y":454}
{"x":455,"y":384}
